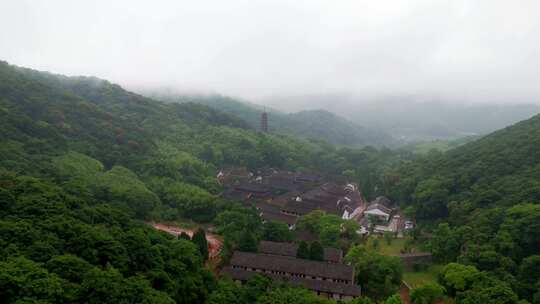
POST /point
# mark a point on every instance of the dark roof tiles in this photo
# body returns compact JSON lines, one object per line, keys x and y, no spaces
{"x":381,"y":207}
{"x":252,"y":187}
{"x":292,"y":265}
{"x":318,"y":285}
{"x":289,"y":249}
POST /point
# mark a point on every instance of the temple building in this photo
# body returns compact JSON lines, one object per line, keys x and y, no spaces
{"x":328,"y":278}
{"x":329,"y":197}
{"x":264,"y":121}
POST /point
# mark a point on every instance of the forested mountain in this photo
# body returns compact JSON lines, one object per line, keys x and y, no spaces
{"x":314,"y":124}
{"x":83,"y":162}
{"x":500,"y":169}
{"x":488,"y":191}
{"x":416,"y":118}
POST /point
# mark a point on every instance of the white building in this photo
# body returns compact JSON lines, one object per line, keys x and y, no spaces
{"x":379,"y":211}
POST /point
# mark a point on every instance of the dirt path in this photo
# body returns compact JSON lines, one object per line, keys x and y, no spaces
{"x":404,"y":294}
{"x":214,"y":241}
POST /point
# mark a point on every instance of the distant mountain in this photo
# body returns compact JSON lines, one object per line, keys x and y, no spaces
{"x":481,"y":201}
{"x":313,"y":124}
{"x":333,"y":128}
{"x":498,"y":170}
{"x":414,"y":119}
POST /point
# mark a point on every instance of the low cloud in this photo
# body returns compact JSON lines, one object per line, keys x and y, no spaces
{"x":479,"y":51}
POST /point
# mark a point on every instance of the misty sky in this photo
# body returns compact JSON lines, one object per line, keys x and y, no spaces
{"x":464,"y":49}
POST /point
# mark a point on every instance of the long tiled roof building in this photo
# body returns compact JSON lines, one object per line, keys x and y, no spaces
{"x":329,"y":278}
{"x":331,"y":255}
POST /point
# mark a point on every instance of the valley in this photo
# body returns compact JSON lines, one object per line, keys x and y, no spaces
{"x":86,"y":164}
{"x":269,"y":152}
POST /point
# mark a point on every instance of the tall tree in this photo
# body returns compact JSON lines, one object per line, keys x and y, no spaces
{"x":316,"y":251}
{"x":303,"y":250}
{"x":379,"y":276}
{"x":276,"y":231}
{"x":199,"y":238}
{"x":247,"y":242}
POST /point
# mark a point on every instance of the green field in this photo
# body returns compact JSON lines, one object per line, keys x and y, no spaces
{"x":412,"y":278}
{"x":415,"y":279}
{"x":383,"y":248}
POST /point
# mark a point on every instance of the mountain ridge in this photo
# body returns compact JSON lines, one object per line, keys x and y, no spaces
{"x":317,"y":124}
{"x":416,"y":118}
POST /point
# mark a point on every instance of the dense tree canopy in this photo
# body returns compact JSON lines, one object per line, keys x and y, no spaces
{"x":429,"y":293}
{"x":379,"y":275}
{"x":59,"y":248}
{"x":330,"y":228}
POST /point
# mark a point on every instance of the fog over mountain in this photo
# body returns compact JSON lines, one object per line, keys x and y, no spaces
{"x":415,"y":118}
{"x":480,"y":50}
{"x":375,"y":52}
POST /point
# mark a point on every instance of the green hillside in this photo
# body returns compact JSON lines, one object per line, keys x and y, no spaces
{"x":416,"y":118}
{"x":84,"y":162}
{"x":314,"y":124}
{"x":488,"y":191}
{"x":496,"y":170}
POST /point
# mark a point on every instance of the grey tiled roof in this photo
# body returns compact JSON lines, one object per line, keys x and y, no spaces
{"x":289,"y":249}
{"x":317,"y":285}
{"x":252,"y":187}
{"x":292,"y":265}
{"x":380,"y":207}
